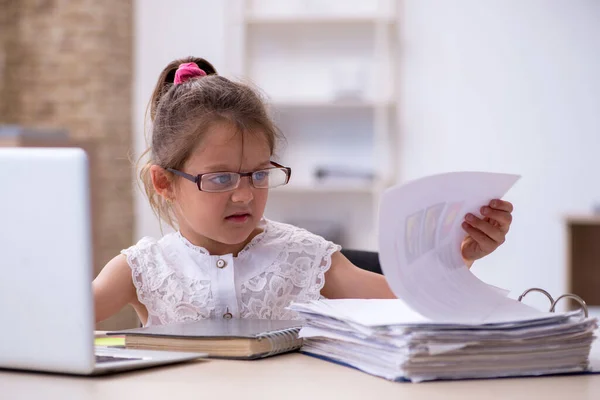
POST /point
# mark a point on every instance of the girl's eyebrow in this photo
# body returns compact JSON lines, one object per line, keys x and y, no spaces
{"x":218,"y":168}
{"x":264,"y":164}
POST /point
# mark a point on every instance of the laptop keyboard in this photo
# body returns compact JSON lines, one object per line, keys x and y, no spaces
{"x":103,"y":359}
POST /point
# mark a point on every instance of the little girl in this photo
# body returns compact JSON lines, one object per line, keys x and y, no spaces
{"x":209,"y":173}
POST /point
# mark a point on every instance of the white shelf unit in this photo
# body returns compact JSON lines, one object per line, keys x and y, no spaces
{"x":328,"y":69}
{"x":273,"y":19}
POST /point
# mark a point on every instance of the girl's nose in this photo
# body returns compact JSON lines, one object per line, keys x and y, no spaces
{"x":244,"y":192}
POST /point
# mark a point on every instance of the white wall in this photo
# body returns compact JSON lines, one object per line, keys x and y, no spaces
{"x":164,"y":31}
{"x":508,"y":86}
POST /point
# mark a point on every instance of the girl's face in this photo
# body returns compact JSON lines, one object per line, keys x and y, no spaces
{"x":222,"y":222}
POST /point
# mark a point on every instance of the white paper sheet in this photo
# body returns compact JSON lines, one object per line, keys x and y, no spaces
{"x":369,"y":313}
{"x":420,"y":235}
{"x":365,"y":315}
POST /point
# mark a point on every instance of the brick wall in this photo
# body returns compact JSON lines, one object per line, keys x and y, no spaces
{"x":67,"y":64}
{"x":8,"y":25}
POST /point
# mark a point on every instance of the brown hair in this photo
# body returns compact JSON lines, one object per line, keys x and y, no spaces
{"x":180,"y":114}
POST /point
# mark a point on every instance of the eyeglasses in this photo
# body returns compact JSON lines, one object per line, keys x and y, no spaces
{"x":216,"y":182}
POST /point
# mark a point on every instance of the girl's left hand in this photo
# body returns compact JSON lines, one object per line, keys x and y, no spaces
{"x":485,"y":235}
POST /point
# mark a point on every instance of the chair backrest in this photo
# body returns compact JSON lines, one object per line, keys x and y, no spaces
{"x":368,"y":260}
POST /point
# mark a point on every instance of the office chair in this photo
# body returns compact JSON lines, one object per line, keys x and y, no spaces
{"x":368,"y":260}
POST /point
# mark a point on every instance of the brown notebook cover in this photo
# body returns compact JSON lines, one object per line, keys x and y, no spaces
{"x":219,"y":338}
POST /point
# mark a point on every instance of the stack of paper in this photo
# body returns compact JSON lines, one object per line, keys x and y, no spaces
{"x":388,"y":339}
{"x":448,"y":323}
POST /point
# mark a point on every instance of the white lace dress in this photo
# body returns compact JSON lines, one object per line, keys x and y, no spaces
{"x":179,"y":282}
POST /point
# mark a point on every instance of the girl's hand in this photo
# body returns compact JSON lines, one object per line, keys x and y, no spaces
{"x":485,"y":235}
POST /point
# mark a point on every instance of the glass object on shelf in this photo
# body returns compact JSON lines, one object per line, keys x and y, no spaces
{"x":343,"y":176}
{"x":349,"y":80}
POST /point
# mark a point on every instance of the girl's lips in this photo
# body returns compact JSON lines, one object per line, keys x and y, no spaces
{"x":238,"y":218}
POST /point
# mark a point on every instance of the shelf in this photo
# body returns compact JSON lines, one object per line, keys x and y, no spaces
{"x":326,"y":189}
{"x":257,"y":19}
{"x":336,"y":104}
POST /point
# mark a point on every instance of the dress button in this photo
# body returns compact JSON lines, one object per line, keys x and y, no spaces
{"x":227,"y":315}
{"x":221,"y":263}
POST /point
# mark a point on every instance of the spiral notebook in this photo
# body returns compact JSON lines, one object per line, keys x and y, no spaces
{"x":219,"y":338}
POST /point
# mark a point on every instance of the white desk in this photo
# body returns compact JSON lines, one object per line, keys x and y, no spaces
{"x":290,"y":376}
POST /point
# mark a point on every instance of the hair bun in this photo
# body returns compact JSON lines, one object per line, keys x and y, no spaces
{"x":186,"y":72}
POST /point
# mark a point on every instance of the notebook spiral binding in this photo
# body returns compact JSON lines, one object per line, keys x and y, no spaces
{"x":283,"y":341}
{"x":553,"y":301}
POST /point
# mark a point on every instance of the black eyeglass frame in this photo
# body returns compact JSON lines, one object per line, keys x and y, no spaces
{"x":197,"y":179}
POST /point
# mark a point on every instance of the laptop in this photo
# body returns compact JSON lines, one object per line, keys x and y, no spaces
{"x":46,"y":269}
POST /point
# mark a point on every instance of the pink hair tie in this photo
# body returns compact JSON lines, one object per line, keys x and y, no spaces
{"x":187,"y":71}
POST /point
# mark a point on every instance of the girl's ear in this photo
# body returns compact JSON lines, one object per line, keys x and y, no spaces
{"x":162,"y":182}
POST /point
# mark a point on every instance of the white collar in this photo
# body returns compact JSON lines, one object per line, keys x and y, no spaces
{"x":264,"y":224}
